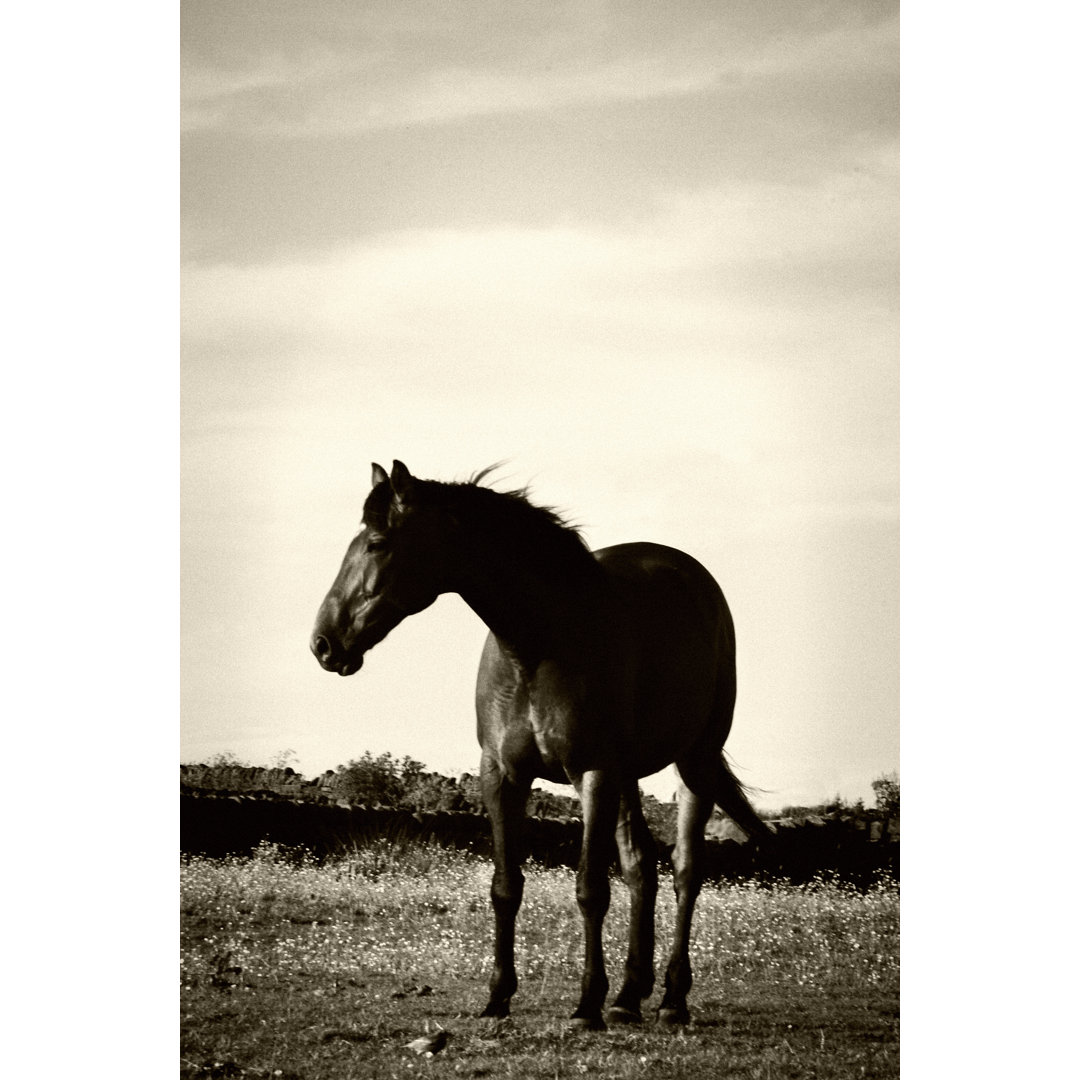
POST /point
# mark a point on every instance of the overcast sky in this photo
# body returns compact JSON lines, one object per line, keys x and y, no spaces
{"x":645,"y":254}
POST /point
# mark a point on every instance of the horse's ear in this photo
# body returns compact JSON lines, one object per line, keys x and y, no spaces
{"x":401,"y":481}
{"x":378,"y":475}
{"x":401,"y":484}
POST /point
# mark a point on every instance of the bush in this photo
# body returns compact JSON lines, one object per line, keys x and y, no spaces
{"x":887,"y":793}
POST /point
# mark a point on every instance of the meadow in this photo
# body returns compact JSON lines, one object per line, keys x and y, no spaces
{"x":306,"y":970}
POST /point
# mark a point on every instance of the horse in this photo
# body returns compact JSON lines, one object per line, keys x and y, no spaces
{"x":599,"y":668}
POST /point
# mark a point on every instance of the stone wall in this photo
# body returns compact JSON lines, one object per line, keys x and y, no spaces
{"x":278,"y":806}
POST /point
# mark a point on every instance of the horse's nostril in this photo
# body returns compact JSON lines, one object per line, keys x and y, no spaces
{"x":321,"y":648}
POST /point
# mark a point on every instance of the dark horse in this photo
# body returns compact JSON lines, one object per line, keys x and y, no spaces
{"x":600,"y":668}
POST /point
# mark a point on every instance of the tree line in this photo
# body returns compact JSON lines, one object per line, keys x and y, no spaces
{"x":385,"y":781}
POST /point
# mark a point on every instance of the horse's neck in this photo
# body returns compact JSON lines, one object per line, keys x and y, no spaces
{"x":536,"y":612}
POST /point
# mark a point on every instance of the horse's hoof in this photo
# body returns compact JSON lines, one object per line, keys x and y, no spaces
{"x":619,"y":1015}
{"x":494,"y":1011}
{"x":587,"y":1023}
{"x":674,"y":1017}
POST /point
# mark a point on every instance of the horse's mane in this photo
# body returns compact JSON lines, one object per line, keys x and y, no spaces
{"x":520,"y":526}
{"x":518,"y":522}
{"x":521,"y":500}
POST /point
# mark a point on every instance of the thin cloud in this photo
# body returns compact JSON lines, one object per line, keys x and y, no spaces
{"x":327,"y":96}
{"x":789,"y":388}
{"x":374,"y":83}
{"x":710,"y":261}
{"x":221,"y":97}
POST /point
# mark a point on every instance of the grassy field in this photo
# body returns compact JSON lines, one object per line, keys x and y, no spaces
{"x":294,"y":970}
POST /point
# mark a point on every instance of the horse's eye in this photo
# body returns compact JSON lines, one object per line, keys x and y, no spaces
{"x":377,"y":545}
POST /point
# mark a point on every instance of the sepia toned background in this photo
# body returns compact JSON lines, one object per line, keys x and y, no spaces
{"x":645,"y":255}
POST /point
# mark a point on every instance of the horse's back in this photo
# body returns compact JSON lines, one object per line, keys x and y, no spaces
{"x":668,"y":589}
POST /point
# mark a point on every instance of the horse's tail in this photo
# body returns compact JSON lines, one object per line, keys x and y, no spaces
{"x":731,"y":798}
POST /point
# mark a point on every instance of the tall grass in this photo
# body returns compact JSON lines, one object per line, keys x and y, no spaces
{"x":422,"y":913}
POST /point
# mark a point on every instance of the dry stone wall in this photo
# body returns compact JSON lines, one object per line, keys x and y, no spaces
{"x":228,"y":810}
{"x":248,"y":779}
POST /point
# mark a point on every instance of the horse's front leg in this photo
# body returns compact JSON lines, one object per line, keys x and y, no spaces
{"x":599,"y":810}
{"x":505,"y":802}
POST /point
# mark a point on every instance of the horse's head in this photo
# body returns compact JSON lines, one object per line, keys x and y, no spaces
{"x":394,"y":568}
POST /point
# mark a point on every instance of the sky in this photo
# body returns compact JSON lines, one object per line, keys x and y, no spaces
{"x":647,"y":256}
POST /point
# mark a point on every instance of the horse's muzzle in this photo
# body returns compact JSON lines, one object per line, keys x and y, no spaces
{"x":324,"y":653}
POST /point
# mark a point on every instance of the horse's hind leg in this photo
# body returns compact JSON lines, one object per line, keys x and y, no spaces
{"x":687,"y":858}
{"x":637,"y":859}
